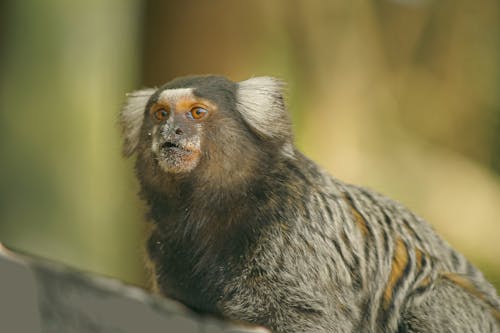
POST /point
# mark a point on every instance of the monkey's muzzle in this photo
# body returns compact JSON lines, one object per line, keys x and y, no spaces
{"x":177,"y":156}
{"x":169,"y":145}
{"x":172,"y":149}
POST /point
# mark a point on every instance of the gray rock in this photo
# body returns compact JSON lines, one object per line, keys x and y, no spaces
{"x":39,"y":296}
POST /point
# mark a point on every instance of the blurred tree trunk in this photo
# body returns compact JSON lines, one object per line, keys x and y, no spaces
{"x":198,"y":37}
{"x":64,"y":194}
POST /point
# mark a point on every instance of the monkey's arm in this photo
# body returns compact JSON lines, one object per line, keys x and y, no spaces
{"x":269,"y":299}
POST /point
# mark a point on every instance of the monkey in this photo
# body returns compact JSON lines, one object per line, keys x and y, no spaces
{"x":246,"y":227}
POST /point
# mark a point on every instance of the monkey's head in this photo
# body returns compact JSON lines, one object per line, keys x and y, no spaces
{"x":206,"y":125}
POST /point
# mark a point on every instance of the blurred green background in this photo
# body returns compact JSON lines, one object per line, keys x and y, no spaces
{"x":401,"y":96}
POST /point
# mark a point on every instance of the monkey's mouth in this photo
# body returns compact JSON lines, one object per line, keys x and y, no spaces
{"x":175,"y":157}
{"x":169,"y":145}
{"x":174,"y":148}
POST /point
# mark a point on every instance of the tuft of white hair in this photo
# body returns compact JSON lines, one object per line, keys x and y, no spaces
{"x":260,"y":102}
{"x":131,"y":118}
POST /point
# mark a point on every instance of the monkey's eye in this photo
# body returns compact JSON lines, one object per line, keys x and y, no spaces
{"x":160,"y":114}
{"x":197,"y":113}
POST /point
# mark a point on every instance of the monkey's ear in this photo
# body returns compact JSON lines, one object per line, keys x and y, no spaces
{"x":131,"y":118}
{"x":260,"y":102}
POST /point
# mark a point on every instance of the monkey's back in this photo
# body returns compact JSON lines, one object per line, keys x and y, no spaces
{"x":412,"y":258}
{"x":350,"y":255}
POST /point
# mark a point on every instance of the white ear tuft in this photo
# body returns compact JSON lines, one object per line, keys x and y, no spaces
{"x":260,"y":102}
{"x":131,"y":118}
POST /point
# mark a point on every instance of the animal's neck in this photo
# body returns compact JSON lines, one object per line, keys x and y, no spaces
{"x":209,"y":218}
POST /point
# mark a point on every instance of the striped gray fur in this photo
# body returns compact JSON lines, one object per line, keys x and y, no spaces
{"x":342,"y":254}
{"x":253,"y":230}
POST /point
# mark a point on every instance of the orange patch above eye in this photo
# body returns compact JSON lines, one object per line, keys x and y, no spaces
{"x":187,"y":104}
{"x":184,"y":104}
{"x":191,"y":106}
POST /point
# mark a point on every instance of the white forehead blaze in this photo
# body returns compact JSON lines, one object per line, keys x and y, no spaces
{"x":170,"y":95}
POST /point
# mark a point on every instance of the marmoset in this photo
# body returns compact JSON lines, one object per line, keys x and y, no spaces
{"x":245,"y":227}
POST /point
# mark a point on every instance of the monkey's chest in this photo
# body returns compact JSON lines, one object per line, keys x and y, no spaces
{"x":181,"y":275}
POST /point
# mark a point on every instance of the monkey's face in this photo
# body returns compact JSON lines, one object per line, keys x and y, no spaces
{"x":176,"y":121}
{"x":220,"y":126}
